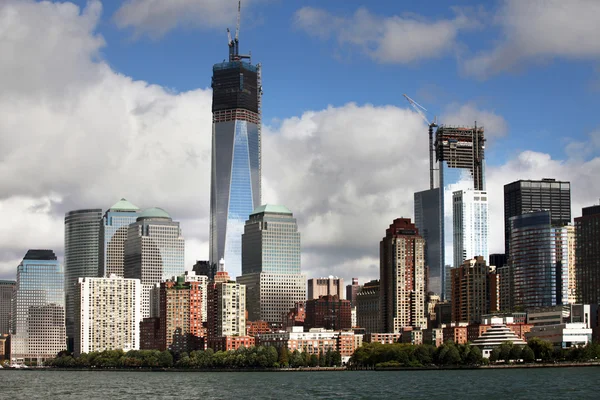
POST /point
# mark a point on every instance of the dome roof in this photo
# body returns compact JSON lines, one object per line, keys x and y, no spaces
{"x":124,"y":205}
{"x":154,"y":212}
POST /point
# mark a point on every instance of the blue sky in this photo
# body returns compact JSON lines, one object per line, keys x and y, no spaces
{"x":545,"y":102}
{"x":120,"y":92}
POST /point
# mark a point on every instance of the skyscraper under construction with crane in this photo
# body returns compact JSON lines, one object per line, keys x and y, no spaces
{"x":454,"y":149}
{"x":236,"y":146}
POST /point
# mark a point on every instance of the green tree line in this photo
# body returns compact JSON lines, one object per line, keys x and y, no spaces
{"x":242,"y":358}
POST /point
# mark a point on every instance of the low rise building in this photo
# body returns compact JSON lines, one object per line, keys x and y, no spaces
{"x":456,"y":333}
{"x":254,"y":328}
{"x":433,"y":336}
{"x":226,"y":343}
{"x":563,"y":335}
{"x":384,"y":338}
{"x":495,"y":336}
{"x":315,"y":341}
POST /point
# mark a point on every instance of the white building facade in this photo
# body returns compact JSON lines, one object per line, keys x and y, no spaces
{"x":108,"y":314}
{"x":470,"y":225}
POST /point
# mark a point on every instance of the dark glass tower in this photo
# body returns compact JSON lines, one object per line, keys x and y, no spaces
{"x":587,"y":267}
{"x":526,"y":196}
{"x":235,"y":171}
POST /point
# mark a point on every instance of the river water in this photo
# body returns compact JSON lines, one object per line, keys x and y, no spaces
{"x":539,"y":383}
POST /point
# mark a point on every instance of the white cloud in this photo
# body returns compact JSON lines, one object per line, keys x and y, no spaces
{"x":466,"y":114}
{"x":157,"y":17}
{"x":395,"y":39}
{"x":540,"y":30}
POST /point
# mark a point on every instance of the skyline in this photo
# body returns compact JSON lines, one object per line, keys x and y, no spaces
{"x":104,"y":117}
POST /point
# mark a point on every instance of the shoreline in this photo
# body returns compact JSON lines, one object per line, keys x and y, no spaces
{"x":324,"y":369}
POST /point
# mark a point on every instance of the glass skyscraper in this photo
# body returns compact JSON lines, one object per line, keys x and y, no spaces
{"x":539,"y":260}
{"x":271,"y":264}
{"x":236,"y":166}
{"x":113,"y":232}
{"x":82,"y":249}
{"x":38,"y":317}
{"x":470,"y":225}
{"x":154,"y":251}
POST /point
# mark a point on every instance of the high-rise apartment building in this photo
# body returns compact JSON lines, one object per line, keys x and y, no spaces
{"x":329,"y":312}
{"x":271,"y":264}
{"x":154,"y":251}
{"x":181,"y":315}
{"x":329,"y":286}
{"x":470,"y":225}
{"x":226,"y":307}
{"x":38,"y":309}
{"x":475,"y":290}
{"x":539,"y":261}
{"x":572,"y":266}
{"x":236,"y":163}
{"x":6,"y":294}
{"x":113,"y":232}
{"x":107,"y":314}
{"x":82,"y":249}
{"x":525,"y":196}
{"x":202,"y":280}
{"x":587,"y":269}
{"x":402,"y":276}
{"x":368,"y":306}
{"x":352,"y":290}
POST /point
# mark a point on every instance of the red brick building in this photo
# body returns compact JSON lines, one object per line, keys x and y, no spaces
{"x":294,"y":317}
{"x":150,"y":337}
{"x":254,"y":328}
{"x":226,"y":343}
{"x":329,"y":312}
{"x":456,"y":334}
{"x":384,"y":338}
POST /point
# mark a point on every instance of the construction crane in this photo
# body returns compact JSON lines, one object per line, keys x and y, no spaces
{"x":431,"y":124}
{"x":234,"y":44}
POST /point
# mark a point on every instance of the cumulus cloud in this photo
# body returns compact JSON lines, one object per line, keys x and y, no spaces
{"x":395,"y":39}
{"x":157,"y":17}
{"x":539,"y":30}
{"x":466,"y":114}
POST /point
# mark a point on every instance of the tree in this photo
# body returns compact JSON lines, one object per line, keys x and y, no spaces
{"x":284,"y":358}
{"x":495,"y":354}
{"x":165,"y":359}
{"x":527,"y":354}
{"x":541,"y":348}
{"x":516,"y":353}
{"x":314,"y":360}
{"x":475,"y":356}
{"x":452,"y":356}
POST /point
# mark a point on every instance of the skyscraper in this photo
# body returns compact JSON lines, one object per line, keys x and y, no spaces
{"x":352,"y":290}
{"x":525,"y":196}
{"x":402,"y":276}
{"x":113,"y":232}
{"x":6,"y":293}
{"x":82,"y":249}
{"x":475,"y":290}
{"x":108,"y":314}
{"x":236,"y":163}
{"x":271,"y":264}
{"x":455,"y":150}
{"x":587,"y":269}
{"x":154,"y":251}
{"x":539,"y":260}
{"x":38,"y":316}
{"x":470,"y":230}
{"x":331,"y":285}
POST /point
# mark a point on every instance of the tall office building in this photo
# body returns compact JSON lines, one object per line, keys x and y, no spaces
{"x":402,"y":277}
{"x":352,"y":290}
{"x":458,"y":154}
{"x":236,"y":163}
{"x":113,"y":232}
{"x":587,"y":269}
{"x":475,"y":290}
{"x":539,"y":260}
{"x":226,"y":307}
{"x":82,"y":249}
{"x":107,"y":314}
{"x":572,"y":264}
{"x":154,"y":251}
{"x":6,"y":294}
{"x":38,"y":309}
{"x":470,"y":225}
{"x":271,"y":264}
{"x":526,"y":196}
{"x":326,"y":286}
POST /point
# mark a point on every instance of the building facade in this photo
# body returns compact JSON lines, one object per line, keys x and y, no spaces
{"x":470,"y":225}
{"x":329,"y":312}
{"x":107,"y":314}
{"x":154,"y":251}
{"x":271,"y":264}
{"x":113,"y":233}
{"x":368,"y":307}
{"x":474,"y":291}
{"x":236,"y":162}
{"x":539,"y":261}
{"x":587,"y":270}
{"x":402,"y":277}
{"x":226,"y":307}
{"x":82,"y":250}
{"x":6,"y":293}
{"x":352,"y":290}
{"x":428,"y":220}
{"x":525,"y":196}
{"x":572,"y":264}
{"x":38,"y":309}
{"x":329,"y":286}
